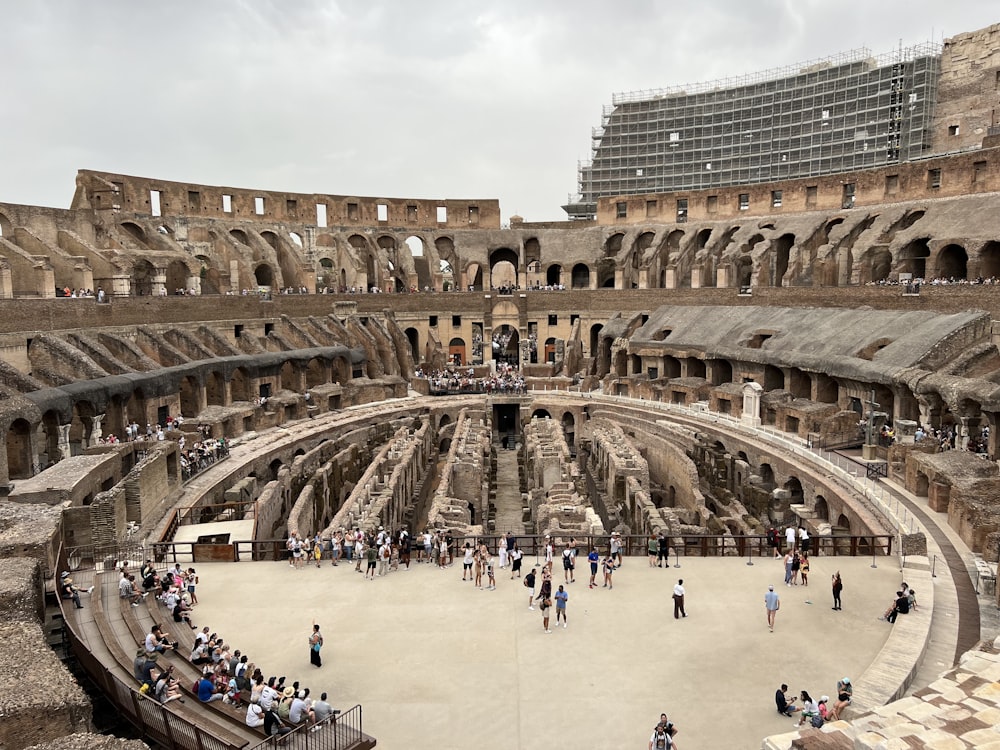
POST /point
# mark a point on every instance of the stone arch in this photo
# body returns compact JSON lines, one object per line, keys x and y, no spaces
{"x":702,"y":239}
{"x":553,"y":275}
{"x":413,"y":337}
{"x":580,"y":278}
{"x":613,"y":245}
{"x":843,"y":522}
{"x":239,"y":384}
{"x":456,"y":351}
{"x":134,"y":230}
{"x":595,"y":338}
{"x":190,"y":397}
{"x":340,"y":370}
{"x":326,"y":276}
{"x":782,"y":247}
{"x":989,"y":260}
{"x":274,"y":467}
{"x":569,"y":427}
{"x":743,"y":271}
{"x":794,"y":488}
{"x":142,"y":277}
{"x":211,"y":282}
{"x":952,"y":262}
{"x":913,"y":257}
{"x":503,"y":267}
{"x":878,"y":265}
{"x":766,"y":474}
{"x":532,"y":251}
{"x":81,"y":426}
{"x":541,"y":414}
{"x":215,"y":389}
{"x":774,"y":378}
{"x":606,"y":273}
{"x":177,"y":276}
{"x":49,"y":432}
{"x":264,"y":276}
{"x":722,"y":371}
{"x":421,"y":261}
{"x":821,"y":508}
{"x":6,"y":227}
{"x":288,"y":377}
{"x":444,"y":421}
{"x":19,"y":451}
{"x":240,"y":236}
{"x":270,"y":238}
{"x":315,"y":373}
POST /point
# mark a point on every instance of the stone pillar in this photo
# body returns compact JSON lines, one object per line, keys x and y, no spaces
{"x":751,"y":404}
{"x":234,"y":277}
{"x":45,"y":279}
{"x":121,"y":285}
{"x":83,"y":276}
{"x":6,"y":281}
{"x":159,"y":282}
{"x":722,"y":280}
{"x":95,"y":429}
{"x":696,"y":278}
{"x":194,"y":283}
{"x":670,"y":278}
{"x":63,"y":443}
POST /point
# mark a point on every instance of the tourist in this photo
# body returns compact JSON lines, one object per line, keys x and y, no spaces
{"x":503,"y":552}
{"x":467,"y":562}
{"x":661,"y":738}
{"x":549,"y":552}
{"x":796,"y":568}
{"x":616,"y":548}
{"x":911,"y":598}
{"x":803,"y":539}
{"x":545,"y":590}
{"x":315,"y":644}
{"x":192,"y":583}
{"x":206,"y":690}
{"x":405,"y":546}
{"x":845,"y":691}
{"x":300,"y":711}
{"x":785,"y":706}
{"x":371,"y":555}
{"x":515,"y":561}
{"x":900,"y":606}
{"x":182,"y":613}
{"x":428,"y":542}
{"x":838,"y":586}
{"x":772,"y":603}
{"x":790,"y":537}
{"x":488,"y":561}
{"x":809,"y":709}
{"x":442,"y":551}
{"x":255,"y":715}
{"x":662,"y":550}
{"x":156,"y":641}
{"x":652,"y":547}
{"x":322,"y":710}
{"x":529,"y":583}
{"x":594,"y":559}
{"x":545,"y":605}
{"x":804,"y":568}
{"x":384,"y":555}
{"x":562,"y":596}
{"x":69,"y":591}
{"x":142,"y":667}
{"x":167,"y":689}
{"x":567,"y":561}
{"x":678,"y":597}
{"x":609,"y":568}
{"x":788,"y":567}
{"x":273,"y":726}
{"x":359,"y":551}
{"x":127,"y":589}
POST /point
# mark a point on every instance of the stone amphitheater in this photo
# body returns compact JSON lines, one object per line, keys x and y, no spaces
{"x":368,"y":359}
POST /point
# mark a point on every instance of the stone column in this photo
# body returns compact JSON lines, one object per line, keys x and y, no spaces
{"x":722,"y":280}
{"x":95,"y":429}
{"x":159,"y":282}
{"x":6,"y":281}
{"x":63,"y":443}
{"x":751,"y":404}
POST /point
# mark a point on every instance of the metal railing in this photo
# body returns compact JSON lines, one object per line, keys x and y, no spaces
{"x":336,"y":733}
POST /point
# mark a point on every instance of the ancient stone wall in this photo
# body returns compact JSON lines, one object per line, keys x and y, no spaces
{"x":464,"y":477}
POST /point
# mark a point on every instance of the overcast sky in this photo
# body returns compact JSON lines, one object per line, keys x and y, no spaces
{"x":414,"y":98}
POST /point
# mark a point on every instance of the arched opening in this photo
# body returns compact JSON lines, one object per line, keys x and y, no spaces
{"x":134,"y":231}
{"x":444,"y":421}
{"x":782,"y":247}
{"x":190,"y":397}
{"x":142,"y":277}
{"x":881,"y":265}
{"x":952,"y":262}
{"x":844,"y":524}
{"x":743,"y":271}
{"x":81,"y":427}
{"x":774,"y":379}
{"x":177,"y":277}
{"x":913,"y":258}
{"x":211,"y":282}
{"x":288,"y":377}
{"x":553,"y":275}
{"x":569,"y":428}
{"x":326,"y":276}
{"x":239,"y":385}
{"x":315,"y":373}
{"x":296,"y":238}
{"x":264,"y":275}
{"x":49,"y":452}
{"x":474,"y":274}
{"x":794,"y":488}
{"x":821,"y":509}
{"x":722,"y":371}
{"x":580,"y":277}
{"x":503,"y":269}
{"x":541,"y":414}
{"x":671,"y":367}
{"x":215,"y":389}
{"x":413,"y":336}
{"x":595,"y":338}
{"x":922,"y":487}
{"x":240,"y":236}
{"x":19,"y":464}
{"x":444,"y":446}
{"x":613,"y":244}
{"x":505,"y":345}
{"x":695,"y":367}
{"x":606,"y":274}
{"x":766,"y":474}
{"x":456,"y":352}
{"x":275,"y":467}
{"x":421,"y":265}
{"x":989,"y":260}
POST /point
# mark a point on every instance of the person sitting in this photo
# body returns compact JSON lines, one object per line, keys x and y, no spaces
{"x":200,"y":654}
{"x":255,"y":715}
{"x":809,"y":709}
{"x":911,"y":598}
{"x":142,"y":667}
{"x":844,"y":693}
{"x":206,"y":690}
{"x":156,"y":641}
{"x":300,"y":712}
{"x":182,"y":613}
{"x":127,"y":589}
{"x":67,"y":590}
{"x":785,"y":706}
{"x":273,"y":726}
{"x":166,"y":688}
{"x":900,"y":607}
{"x":149,"y":577}
{"x":323,"y":710}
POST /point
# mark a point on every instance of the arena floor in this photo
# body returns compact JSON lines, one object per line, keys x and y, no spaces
{"x":438,"y":664}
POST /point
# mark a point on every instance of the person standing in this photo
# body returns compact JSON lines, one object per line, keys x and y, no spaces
{"x":788,"y":567}
{"x":790,"y":538}
{"x":662,"y":551}
{"x":515,"y":560}
{"x":562,"y":596}
{"x":679,"y":599}
{"x":315,"y":644}
{"x":594,"y":559}
{"x":545,"y":606}
{"x":529,"y":583}
{"x":772,"y":604}
{"x":651,"y":546}
{"x":838,"y":586}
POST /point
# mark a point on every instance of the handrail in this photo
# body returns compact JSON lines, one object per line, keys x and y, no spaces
{"x":335,"y":733}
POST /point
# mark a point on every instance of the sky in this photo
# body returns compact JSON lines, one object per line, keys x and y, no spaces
{"x":434,"y":99}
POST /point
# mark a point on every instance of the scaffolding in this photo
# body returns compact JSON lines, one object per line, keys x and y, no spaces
{"x":843,"y":113}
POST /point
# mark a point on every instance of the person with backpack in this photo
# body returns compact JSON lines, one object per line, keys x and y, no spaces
{"x":661,"y":739}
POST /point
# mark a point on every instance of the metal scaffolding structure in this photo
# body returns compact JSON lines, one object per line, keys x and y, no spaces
{"x":848,"y":112}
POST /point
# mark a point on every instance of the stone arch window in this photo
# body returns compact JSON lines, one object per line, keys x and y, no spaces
{"x":503,"y":268}
{"x":581,"y":276}
{"x":553,"y":275}
{"x":952,"y":262}
{"x":19,"y":454}
{"x":264,"y":276}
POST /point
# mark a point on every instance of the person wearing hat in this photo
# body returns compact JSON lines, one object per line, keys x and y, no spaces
{"x":142,"y":667}
{"x":285,"y":704}
{"x":844,"y":693}
{"x":300,"y":712}
{"x":69,"y":591}
{"x":772,"y":603}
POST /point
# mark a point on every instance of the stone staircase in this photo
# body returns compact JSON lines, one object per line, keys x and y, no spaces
{"x":508,"y":514}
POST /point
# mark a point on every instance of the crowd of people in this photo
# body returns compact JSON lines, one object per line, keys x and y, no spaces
{"x":507,"y":379}
{"x":811,"y":712}
{"x":226,"y":674}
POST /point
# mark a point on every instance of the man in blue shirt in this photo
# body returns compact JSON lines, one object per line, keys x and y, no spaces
{"x":206,"y":691}
{"x":594,"y":559}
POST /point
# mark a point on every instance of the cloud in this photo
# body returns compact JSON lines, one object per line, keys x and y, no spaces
{"x":397,"y":99}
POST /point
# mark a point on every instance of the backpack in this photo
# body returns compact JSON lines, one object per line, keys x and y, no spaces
{"x":817,"y":721}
